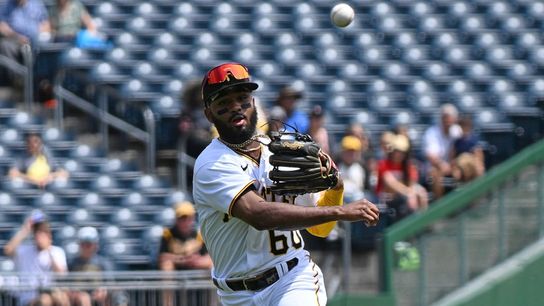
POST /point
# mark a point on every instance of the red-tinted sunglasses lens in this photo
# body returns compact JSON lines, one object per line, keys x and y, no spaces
{"x":222,"y":73}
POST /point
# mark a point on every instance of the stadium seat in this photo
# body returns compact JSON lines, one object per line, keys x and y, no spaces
{"x":107,"y":73}
{"x":175,"y":197}
{"x":26,"y":123}
{"x":12,"y":139}
{"x":165,"y":216}
{"x":83,"y":217}
{"x":110,"y":233}
{"x":469,"y":103}
{"x":127,"y":218}
{"x":7,"y":265}
{"x":65,"y":233}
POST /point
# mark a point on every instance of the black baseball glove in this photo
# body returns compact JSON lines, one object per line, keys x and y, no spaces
{"x":299,"y":165}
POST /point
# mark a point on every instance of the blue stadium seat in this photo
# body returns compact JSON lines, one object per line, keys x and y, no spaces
{"x":374,"y":55}
{"x":185,"y":71}
{"x":149,"y":72}
{"x":421,"y":9}
{"x":7,"y":203}
{"x":431,"y":24}
{"x":499,"y":9}
{"x":500,"y":56}
{"x":83,"y":217}
{"x":7,"y":265}
{"x":165,"y":217}
{"x":12,"y":139}
{"x":186,"y":9}
{"x":480,"y":71}
{"x":382,"y":9}
{"x":79,"y":58}
{"x":109,"y":10}
{"x":469,"y":103}
{"x":473,"y":24}
{"x":167,"y":106}
{"x":263,"y":9}
{"x":459,"y":87}
{"x":536,"y":9}
{"x":437,"y":72}
{"x":108,"y":73}
{"x":135,"y":200}
{"x":27,"y":123}
{"x":135,"y":89}
{"x":172,"y":88}
{"x":426,"y":104}
{"x":65,"y":233}
{"x":149,"y":11}
{"x":110,"y":233}
{"x":127,"y":218}
{"x":175,"y":197}
{"x":460,"y":9}
{"x":92,"y":201}
{"x":149,"y":184}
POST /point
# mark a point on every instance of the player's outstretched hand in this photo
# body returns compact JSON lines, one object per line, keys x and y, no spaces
{"x":362,"y":210}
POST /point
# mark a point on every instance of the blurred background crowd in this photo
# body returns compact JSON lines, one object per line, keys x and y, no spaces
{"x":413,"y":100}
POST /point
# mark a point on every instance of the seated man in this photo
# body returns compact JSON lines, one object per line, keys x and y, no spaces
{"x":89,"y":261}
{"x":397,"y":180}
{"x":36,"y":261}
{"x":21,"y":23}
{"x":438,"y":141}
{"x":181,"y":246}
{"x":38,"y":167}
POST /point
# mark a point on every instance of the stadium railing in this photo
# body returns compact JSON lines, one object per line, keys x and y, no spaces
{"x":24,"y":70}
{"x":466,"y":233}
{"x":135,"y":288}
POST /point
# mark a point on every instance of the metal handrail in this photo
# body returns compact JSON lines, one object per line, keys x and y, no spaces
{"x":146,"y":279}
{"x":26,"y":71}
{"x":147,"y":137}
{"x":183,"y":162}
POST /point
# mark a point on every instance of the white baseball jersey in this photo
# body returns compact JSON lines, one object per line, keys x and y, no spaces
{"x":237,"y":249}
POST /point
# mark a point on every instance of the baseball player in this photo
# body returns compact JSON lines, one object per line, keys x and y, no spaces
{"x":252,"y":234}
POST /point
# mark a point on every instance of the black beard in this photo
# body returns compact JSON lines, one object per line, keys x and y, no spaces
{"x":233,"y":134}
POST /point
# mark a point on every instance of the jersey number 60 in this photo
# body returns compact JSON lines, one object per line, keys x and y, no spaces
{"x":279,"y":244}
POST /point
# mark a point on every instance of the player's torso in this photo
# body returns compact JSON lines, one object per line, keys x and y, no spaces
{"x":245,"y":250}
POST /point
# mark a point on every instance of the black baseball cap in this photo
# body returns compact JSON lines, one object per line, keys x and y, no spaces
{"x":225,"y":76}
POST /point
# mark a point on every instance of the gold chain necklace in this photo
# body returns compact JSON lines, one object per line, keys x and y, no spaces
{"x":240,"y":146}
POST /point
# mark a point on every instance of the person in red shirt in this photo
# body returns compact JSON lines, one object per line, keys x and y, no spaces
{"x":397,"y":185}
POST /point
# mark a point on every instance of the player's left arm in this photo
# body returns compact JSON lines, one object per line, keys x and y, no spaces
{"x":330,"y":197}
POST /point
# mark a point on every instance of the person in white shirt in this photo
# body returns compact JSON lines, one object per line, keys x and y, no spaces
{"x":251,"y":233}
{"x":36,"y":261}
{"x":351,"y":168}
{"x":437,"y":143}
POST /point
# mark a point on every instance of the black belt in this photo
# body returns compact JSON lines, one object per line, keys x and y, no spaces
{"x":258,"y":282}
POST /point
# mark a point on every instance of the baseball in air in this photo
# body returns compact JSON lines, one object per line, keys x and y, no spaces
{"x":342,"y":15}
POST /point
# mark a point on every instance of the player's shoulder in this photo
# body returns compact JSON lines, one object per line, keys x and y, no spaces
{"x":215,"y":153}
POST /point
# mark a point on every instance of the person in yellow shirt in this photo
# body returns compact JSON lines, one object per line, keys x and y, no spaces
{"x":38,"y":167}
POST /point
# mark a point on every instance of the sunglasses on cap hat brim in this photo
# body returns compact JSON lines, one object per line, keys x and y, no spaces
{"x":225,"y":76}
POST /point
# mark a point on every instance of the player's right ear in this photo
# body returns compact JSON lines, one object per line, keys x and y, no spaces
{"x":208,"y":114}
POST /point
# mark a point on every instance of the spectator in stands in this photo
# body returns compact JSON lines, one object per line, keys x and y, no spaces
{"x":296,"y":119}
{"x":368,"y":157}
{"x":89,"y":261}
{"x":21,"y":23}
{"x":317,"y":128}
{"x":36,"y":261}
{"x":67,"y":18}
{"x":398,"y":186}
{"x":467,"y":154}
{"x":353,"y":172}
{"x":37,"y":167}
{"x":182,"y":248}
{"x":193,"y":128}
{"x":438,"y":141}
{"x":276,"y":117}
{"x":181,"y":245}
